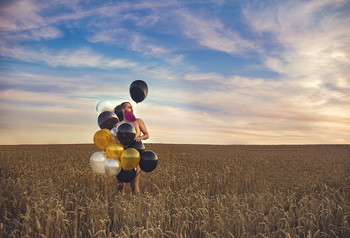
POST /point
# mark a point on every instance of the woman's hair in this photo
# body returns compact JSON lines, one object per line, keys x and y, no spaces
{"x":123,"y":105}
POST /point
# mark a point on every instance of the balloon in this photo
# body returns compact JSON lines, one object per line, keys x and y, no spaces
{"x":114,"y":131}
{"x":103,"y":138}
{"x":149,"y":161}
{"x":97,"y":162}
{"x":138,"y":90}
{"x":107,"y":119}
{"x":126,"y":133}
{"x":137,"y":145}
{"x":104,"y":105}
{"x":129,"y":158}
{"x":118,"y":112}
{"x":126,"y":176}
{"x":114,"y":150}
{"x":112,"y":167}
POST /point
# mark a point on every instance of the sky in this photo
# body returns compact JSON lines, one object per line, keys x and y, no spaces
{"x":218,"y":72}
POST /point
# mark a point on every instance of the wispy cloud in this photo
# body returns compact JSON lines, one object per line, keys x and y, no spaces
{"x":237,"y":126}
{"x":313,"y":51}
{"x":33,"y":24}
{"x":20,"y":15}
{"x":314,"y":47}
{"x":211,"y":33}
{"x":261,"y":107}
{"x":83,"y":57}
{"x":178,"y":50}
{"x":137,"y":42}
{"x":22,"y":87}
{"x":23,"y":20}
{"x":51,"y":107}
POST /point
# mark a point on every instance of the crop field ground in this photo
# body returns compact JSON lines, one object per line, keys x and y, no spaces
{"x":196,"y":191}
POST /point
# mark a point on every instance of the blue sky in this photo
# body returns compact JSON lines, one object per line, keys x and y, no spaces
{"x":218,"y":72}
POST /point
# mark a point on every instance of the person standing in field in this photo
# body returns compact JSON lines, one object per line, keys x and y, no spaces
{"x":140,"y":127}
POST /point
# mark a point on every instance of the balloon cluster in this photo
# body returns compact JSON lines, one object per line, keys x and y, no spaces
{"x":120,"y":154}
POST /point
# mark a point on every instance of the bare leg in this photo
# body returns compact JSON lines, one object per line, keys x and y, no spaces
{"x":120,"y":187}
{"x":135,"y":183}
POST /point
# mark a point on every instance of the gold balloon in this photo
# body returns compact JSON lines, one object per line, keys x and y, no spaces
{"x":129,"y":159}
{"x":115,"y":150}
{"x":103,"y":138}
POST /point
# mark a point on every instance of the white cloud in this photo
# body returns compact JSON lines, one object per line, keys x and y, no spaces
{"x":204,"y":76}
{"x":116,"y":35}
{"x":211,"y":33}
{"x":137,"y":42}
{"x":207,"y":31}
{"x":263,"y":107}
{"x":83,"y":57}
{"x":20,"y":15}
{"x":21,"y":20}
{"x":53,"y":109}
{"x":32,"y":24}
{"x":46,"y":33}
{"x":22,"y":87}
{"x":309,"y":103}
{"x":240,"y":123}
{"x":314,"y":38}
{"x":286,"y":16}
{"x":244,"y":110}
{"x":312,"y":59}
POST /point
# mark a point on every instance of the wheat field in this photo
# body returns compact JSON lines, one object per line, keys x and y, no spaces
{"x":196,"y":191}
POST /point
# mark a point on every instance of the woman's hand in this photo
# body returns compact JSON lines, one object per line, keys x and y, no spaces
{"x":138,"y":139}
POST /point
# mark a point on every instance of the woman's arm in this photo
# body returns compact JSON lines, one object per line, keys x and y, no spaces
{"x":144,"y":131}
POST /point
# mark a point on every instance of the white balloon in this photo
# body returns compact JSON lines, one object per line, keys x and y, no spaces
{"x":97,"y":162}
{"x":112,"y":167}
{"x":105,"y":105}
{"x":114,"y":131}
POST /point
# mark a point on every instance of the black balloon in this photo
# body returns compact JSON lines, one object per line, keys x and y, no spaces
{"x":149,"y":161}
{"x":138,"y":90}
{"x":126,"y":176}
{"x":126,"y":133}
{"x":137,"y":145}
{"x":118,"y":112}
{"x":107,"y":119}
